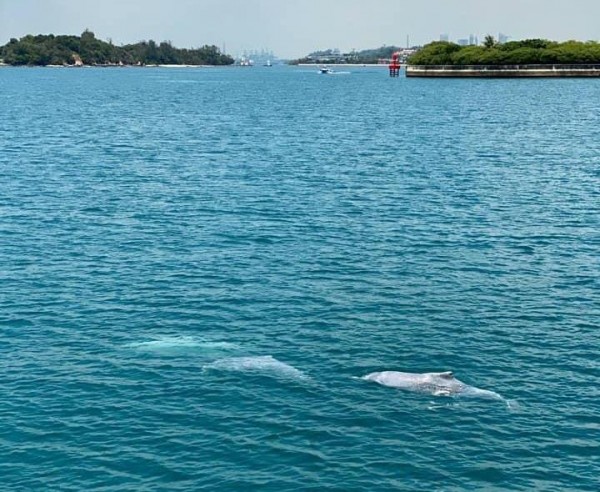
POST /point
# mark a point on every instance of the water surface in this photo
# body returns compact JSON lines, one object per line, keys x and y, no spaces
{"x":198,"y":265}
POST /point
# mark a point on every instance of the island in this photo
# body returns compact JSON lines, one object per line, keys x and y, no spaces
{"x":526,"y":58}
{"x":44,"y":50}
{"x":375,"y":56}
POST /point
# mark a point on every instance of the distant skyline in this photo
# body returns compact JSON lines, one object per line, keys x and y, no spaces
{"x":293,"y":29}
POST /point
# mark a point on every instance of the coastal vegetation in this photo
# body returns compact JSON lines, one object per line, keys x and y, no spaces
{"x":332,"y":56}
{"x":87,"y":49}
{"x":525,"y":52}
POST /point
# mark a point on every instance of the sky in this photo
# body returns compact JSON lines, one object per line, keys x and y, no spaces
{"x":293,"y":28}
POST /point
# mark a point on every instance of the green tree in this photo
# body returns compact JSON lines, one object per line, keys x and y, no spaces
{"x":528,"y":51}
{"x":489,"y":41}
{"x":50,"y":49}
{"x":436,"y":53}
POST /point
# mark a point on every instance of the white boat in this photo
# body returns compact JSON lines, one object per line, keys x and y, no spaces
{"x":325,"y":70}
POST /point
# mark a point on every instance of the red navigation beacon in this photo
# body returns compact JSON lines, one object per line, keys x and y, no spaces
{"x":395,"y":65}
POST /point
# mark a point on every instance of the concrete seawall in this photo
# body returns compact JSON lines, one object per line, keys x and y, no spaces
{"x":497,"y":71}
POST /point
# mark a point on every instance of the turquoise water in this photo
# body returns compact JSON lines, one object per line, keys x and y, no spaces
{"x":198,"y":266}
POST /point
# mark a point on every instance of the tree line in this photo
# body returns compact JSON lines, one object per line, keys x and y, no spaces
{"x":67,"y":50}
{"x":525,"y":52}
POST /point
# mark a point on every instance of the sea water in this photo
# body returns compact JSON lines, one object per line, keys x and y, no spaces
{"x":197,"y":266}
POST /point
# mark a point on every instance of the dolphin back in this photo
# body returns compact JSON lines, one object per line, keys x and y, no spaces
{"x":395,"y":379}
{"x":433,"y":383}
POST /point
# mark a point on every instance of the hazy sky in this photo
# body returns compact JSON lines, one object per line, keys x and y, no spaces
{"x":292,"y":28}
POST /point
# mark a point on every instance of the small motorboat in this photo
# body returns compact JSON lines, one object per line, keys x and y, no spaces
{"x":325,"y":70}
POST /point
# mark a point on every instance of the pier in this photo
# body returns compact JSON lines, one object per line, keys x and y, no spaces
{"x":499,"y":71}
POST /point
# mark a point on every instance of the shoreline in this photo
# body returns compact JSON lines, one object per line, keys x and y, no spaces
{"x":502,"y":71}
{"x":5,"y":65}
{"x":303,"y":65}
{"x":354,"y":65}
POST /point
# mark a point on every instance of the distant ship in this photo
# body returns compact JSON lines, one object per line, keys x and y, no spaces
{"x":263,"y":58}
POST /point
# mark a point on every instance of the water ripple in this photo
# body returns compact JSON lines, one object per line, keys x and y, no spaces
{"x":163,"y":231}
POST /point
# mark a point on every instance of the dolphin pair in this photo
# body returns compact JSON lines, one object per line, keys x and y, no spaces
{"x":433,"y":383}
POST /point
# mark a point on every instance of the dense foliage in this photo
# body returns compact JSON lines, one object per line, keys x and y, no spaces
{"x":526,"y":52}
{"x":65,"y":50}
{"x":334,"y":56}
